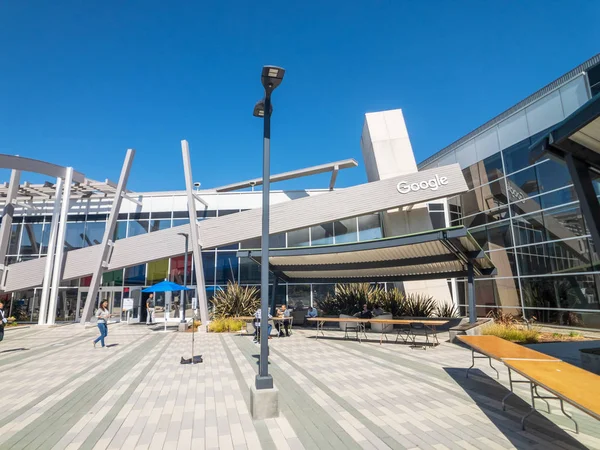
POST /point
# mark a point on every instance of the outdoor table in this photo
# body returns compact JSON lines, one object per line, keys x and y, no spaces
{"x":431,"y":324}
{"x":322,"y":320}
{"x":252,"y":318}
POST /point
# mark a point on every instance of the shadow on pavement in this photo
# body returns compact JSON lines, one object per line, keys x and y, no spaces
{"x":13,"y":350}
{"x":111,"y":345}
{"x":487,"y":393}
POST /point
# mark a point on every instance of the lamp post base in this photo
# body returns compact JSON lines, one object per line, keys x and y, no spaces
{"x":264,"y":403}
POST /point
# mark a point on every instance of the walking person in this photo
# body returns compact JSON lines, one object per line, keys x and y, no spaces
{"x":3,"y":321}
{"x":150,"y":310}
{"x":102,"y":314}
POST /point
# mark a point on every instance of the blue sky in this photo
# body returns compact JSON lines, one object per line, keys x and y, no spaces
{"x":80,"y":82}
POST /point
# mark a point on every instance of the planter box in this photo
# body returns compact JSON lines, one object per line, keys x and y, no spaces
{"x":590,"y":359}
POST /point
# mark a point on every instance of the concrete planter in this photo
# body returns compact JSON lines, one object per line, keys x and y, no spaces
{"x":590,"y":359}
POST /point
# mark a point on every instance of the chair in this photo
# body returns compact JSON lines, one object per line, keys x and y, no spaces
{"x":351,"y":326}
{"x":383,"y":328}
{"x":420,"y":329}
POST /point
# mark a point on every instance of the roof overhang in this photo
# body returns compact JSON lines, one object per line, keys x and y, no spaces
{"x":578,"y":134}
{"x":434,"y":254}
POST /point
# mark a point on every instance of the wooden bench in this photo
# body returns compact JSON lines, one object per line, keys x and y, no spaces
{"x":566,"y":383}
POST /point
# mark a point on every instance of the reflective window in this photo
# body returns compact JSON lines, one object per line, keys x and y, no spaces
{"x":178,"y":270}
{"x":113,"y":278}
{"x":120,"y":230}
{"x":492,"y":168}
{"x":74,"y":237}
{"x":158,"y":271}
{"x":159,"y":224}
{"x":522,"y":185}
{"x":249,"y":271}
{"x":471,"y":175}
{"x":438,"y":219}
{"x":226,"y":212}
{"x":472,"y":202}
{"x":499,"y":235}
{"x":494,"y":194}
{"x":15,"y":234}
{"x":552,"y":175}
{"x":505,"y":262}
{"x":321,"y":291}
{"x":533,"y":260}
{"x":298,"y":238}
{"x":480,"y":235}
{"x":94,"y":233}
{"x":529,"y":229}
{"x":31,"y":242}
{"x":137,"y":227}
{"x":179,"y":222}
{"x":136,"y":275}
{"x":570,"y":256}
{"x":321,"y":234}
{"x":206,"y":214}
{"x":208,"y":264}
{"x":564,"y":222}
{"x":227,"y":267}
{"x":517,"y":156}
{"x":369,"y":227}
{"x":299,"y":296}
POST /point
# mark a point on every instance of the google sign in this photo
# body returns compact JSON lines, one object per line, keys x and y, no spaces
{"x":433,"y":184}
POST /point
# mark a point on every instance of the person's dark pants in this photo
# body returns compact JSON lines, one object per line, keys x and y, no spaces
{"x":257,"y":330}
{"x":286,"y":325}
{"x":1,"y":333}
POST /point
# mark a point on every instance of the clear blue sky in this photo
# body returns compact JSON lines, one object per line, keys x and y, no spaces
{"x":80,"y":82}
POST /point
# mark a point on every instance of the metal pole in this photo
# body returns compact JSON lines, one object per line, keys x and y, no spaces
{"x":185,"y":268}
{"x":471,"y":294}
{"x":263,"y":379}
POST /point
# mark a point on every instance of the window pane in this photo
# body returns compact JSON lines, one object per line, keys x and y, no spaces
{"x":516,"y":157}
{"x":227,"y":267}
{"x":471,"y":175}
{"x":522,"y":184}
{"x":15,"y":234}
{"x":505,"y":262}
{"x":494,"y":195}
{"x":533,"y":260}
{"x":249,"y":271}
{"x":321,"y":291}
{"x":345,"y":231}
{"x":438,"y":219}
{"x":136,"y":275}
{"x":179,"y":222}
{"x":322,"y":234}
{"x":157,"y":271}
{"x":556,"y":198}
{"x":159,"y":224}
{"x":369,"y":227}
{"x":113,"y":278}
{"x":565,"y":222}
{"x":74,"y":236}
{"x":137,"y":227}
{"x":31,"y":242}
{"x":492,"y":168}
{"x":570,"y":256}
{"x":553,"y":175}
{"x":120,"y":230}
{"x":94,"y":233}
{"x":480,"y":235}
{"x":499,"y":235}
{"x":529,"y":229}
{"x":299,"y":295}
{"x":208,"y":264}
{"x":178,"y":270}
{"x":298,"y":238}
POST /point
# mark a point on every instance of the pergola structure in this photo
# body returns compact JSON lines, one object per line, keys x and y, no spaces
{"x":437,"y":254}
{"x":69,"y":186}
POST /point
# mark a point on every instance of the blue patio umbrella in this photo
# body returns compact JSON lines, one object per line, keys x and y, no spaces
{"x":166,"y":286}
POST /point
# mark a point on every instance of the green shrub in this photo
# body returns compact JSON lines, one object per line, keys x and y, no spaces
{"x":446,"y":310}
{"x":348,"y":299}
{"x":419,"y":305}
{"x":225,"y":325}
{"x":393,"y":301}
{"x":235,"y":301}
{"x":513,"y":333}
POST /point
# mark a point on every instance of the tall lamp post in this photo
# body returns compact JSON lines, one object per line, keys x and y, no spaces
{"x":271,"y":78}
{"x":185,"y":268}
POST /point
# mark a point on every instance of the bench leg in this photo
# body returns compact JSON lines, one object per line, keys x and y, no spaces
{"x":562,"y":408}
{"x":537,"y":395}
{"x":531,"y":388}
{"x":473,"y":358}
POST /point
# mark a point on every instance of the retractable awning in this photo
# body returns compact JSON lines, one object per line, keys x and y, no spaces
{"x":437,"y":254}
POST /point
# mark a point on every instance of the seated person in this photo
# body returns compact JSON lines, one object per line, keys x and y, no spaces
{"x":283,"y":312}
{"x":311,"y":313}
{"x":365,"y":313}
{"x":257,"y":317}
{"x":377,"y":311}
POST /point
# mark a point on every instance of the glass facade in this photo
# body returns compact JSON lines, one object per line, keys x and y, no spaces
{"x":29,"y":239}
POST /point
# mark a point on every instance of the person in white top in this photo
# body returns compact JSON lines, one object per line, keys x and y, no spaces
{"x":102,"y":315}
{"x":3,"y":321}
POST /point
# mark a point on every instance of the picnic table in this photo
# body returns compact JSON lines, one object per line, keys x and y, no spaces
{"x":252,"y":319}
{"x":361,"y":322}
{"x":564,"y":381}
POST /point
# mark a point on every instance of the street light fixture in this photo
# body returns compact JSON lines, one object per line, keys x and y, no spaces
{"x":185,"y":269}
{"x":271,"y":77}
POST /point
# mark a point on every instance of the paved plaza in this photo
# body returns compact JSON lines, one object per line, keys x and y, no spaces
{"x":58,"y":392}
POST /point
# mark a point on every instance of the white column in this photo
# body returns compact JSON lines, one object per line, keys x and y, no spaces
{"x":7,"y":217}
{"x":50,"y":253}
{"x":60,"y":247}
{"x":194,"y":234}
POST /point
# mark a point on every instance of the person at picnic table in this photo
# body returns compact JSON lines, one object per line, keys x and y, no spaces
{"x":311,"y":313}
{"x":377,"y":311}
{"x":365,"y":313}
{"x":285,"y":313}
{"x":257,"y":317}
